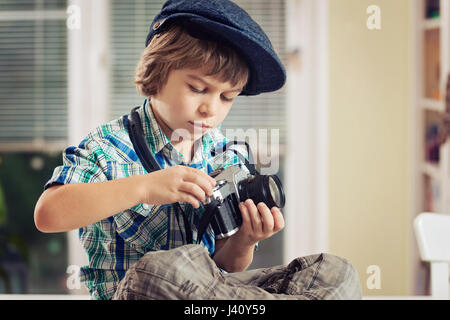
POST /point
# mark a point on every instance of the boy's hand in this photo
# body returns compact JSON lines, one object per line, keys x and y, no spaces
{"x":258,"y":223}
{"x":177,"y":184}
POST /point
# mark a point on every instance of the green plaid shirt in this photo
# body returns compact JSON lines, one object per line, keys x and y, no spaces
{"x":116,"y":243}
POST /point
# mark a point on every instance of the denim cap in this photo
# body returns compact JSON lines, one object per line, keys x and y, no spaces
{"x":225,"y":21}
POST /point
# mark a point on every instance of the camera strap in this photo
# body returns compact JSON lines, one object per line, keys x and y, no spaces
{"x":206,"y":218}
{"x":250,"y":164}
{"x":136,"y":133}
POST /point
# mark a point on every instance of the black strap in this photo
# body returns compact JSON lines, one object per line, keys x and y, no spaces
{"x":136,"y":133}
{"x":250,"y":164}
{"x":140,"y":146}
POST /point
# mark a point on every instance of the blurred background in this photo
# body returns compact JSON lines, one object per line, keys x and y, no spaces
{"x":359,"y":133}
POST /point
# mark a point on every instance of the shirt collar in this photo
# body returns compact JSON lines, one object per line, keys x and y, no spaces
{"x":154,"y":135}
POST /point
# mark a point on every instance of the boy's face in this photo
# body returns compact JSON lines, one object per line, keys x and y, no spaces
{"x":192,"y":103}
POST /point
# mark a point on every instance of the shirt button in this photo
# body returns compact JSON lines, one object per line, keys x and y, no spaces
{"x":145,"y":206}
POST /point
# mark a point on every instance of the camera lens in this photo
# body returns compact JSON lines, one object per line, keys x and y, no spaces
{"x":275,"y":192}
{"x":261,"y":188}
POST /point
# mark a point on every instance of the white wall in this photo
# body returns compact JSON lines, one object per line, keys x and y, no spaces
{"x":306,"y":213}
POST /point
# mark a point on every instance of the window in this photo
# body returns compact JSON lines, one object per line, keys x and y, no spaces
{"x":33,"y":74}
{"x":33,"y":119}
{"x":34,"y":100}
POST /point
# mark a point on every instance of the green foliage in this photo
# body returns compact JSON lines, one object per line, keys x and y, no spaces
{"x":45,"y":255}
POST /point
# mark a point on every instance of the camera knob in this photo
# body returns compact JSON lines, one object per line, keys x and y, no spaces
{"x":221,"y":183}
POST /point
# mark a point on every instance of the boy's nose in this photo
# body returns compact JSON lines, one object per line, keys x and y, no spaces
{"x":208,"y":108}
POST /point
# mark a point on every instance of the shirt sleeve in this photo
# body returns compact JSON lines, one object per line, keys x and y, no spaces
{"x":82,"y":164}
{"x":88,"y":163}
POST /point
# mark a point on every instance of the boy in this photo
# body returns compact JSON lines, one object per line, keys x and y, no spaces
{"x":199,"y":56}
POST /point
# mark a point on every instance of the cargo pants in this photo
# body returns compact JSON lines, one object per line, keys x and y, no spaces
{"x":189,"y":273}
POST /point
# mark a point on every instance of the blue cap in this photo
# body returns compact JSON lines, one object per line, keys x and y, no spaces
{"x":225,"y":21}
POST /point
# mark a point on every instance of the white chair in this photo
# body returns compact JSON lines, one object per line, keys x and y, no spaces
{"x":433,"y":238}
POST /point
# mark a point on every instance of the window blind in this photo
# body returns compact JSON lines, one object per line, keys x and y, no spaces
{"x":33,"y":72}
{"x":130,"y":21}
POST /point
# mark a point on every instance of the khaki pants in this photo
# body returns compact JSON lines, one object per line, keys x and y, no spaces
{"x":189,"y":273}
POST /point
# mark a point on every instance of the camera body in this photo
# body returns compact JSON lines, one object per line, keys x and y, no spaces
{"x":235,"y":185}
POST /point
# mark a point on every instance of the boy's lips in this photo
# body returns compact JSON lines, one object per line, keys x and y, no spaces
{"x":200,"y":125}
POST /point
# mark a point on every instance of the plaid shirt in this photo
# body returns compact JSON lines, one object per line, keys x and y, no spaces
{"x":116,"y":243}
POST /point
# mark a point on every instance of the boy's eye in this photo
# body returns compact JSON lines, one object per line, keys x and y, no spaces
{"x":227,"y":99}
{"x":195,"y":89}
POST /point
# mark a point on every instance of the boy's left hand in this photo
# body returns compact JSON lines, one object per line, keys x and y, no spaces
{"x":258,"y":223}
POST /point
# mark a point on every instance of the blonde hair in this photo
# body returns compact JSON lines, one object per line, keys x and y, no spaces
{"x":175,"y":49}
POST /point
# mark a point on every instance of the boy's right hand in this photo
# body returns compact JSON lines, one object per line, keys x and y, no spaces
{"x":177,"y":184}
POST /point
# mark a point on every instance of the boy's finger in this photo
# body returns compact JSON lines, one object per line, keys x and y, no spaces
{"x":205,"y":176}
{"x":194,"y":190}
{"x":266,"y":216}
{"x":245,"y":216}
{"x":187,"y":197}
{"x":277,"y":218}
{"x":202,"y":180}
{"x":254,"y":215}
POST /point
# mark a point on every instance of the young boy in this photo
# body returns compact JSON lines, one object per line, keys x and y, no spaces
{"x":199,"y":56}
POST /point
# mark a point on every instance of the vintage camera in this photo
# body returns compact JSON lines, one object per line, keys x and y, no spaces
{"x":235,"y":185}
